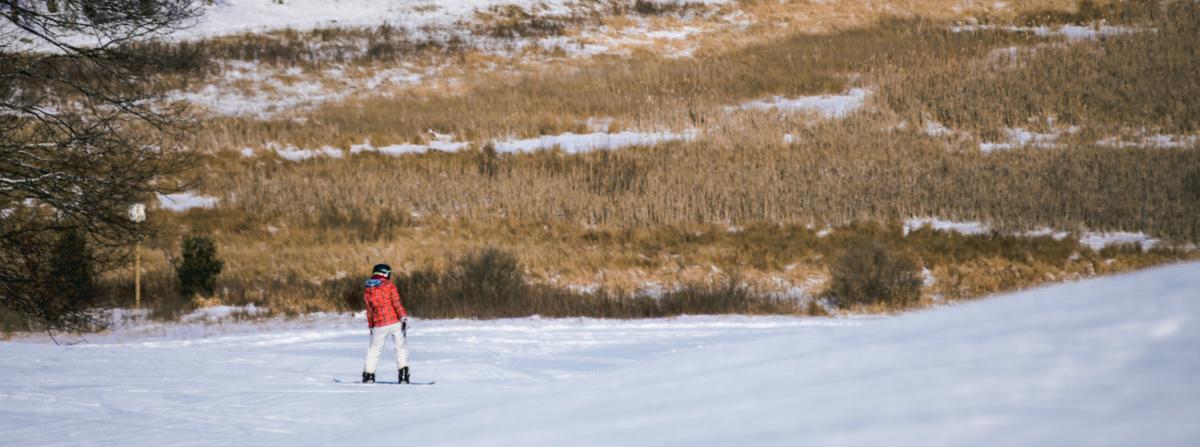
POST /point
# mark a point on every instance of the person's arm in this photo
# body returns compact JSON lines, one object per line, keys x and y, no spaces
{"x":367,"y":306}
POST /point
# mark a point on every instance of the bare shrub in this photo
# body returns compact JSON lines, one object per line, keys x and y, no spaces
{"x":728,"y":296}
{"x":870,"y":273}
{"x":490,"y":283}
{"x":492,"y":279}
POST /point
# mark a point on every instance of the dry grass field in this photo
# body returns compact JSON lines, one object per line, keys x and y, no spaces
{"x":756,"y":207}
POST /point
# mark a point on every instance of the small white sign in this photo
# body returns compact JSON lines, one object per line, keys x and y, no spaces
{"x":137,"y":212}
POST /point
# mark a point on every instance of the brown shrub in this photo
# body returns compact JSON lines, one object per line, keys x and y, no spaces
{"x":870,"y":273}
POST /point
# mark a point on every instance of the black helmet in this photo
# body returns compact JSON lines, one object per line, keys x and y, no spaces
{"x":384,"y":269}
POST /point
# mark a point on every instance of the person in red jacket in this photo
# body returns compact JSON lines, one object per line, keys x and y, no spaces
{"x":386,"y":317}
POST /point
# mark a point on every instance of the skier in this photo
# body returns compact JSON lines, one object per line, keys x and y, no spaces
{"x":385,"y":317}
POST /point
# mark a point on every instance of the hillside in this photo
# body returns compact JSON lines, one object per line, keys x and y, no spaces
{"x":624,"y":158}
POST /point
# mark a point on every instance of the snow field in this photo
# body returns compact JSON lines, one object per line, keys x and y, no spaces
{"x":1099,"y":362}
{"x":202,"y":384}
{"x":1102,"y":362}
{"x":233,"y":16}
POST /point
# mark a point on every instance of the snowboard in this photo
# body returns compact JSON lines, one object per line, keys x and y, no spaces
{"x":380,"y":382}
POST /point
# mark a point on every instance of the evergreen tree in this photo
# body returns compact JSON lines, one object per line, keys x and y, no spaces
{"x":71,"y":268}
{"x":200,"y":266}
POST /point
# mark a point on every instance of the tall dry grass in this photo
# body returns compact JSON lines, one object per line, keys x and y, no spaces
{"x":837,"y":172}
{"x":642,"y":91}
{"x":294,"y":233}
{"x":1144,"y":78}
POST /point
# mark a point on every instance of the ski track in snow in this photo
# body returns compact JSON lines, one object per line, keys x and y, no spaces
{"x":1100,"y":362}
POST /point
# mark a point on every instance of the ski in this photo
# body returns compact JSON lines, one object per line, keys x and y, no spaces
{"x":381,"y":382}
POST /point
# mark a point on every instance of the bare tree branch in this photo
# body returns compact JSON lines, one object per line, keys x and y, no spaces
{"x":83,"y":135}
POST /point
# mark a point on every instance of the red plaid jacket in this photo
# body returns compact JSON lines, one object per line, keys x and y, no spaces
{"x":383,"y":302}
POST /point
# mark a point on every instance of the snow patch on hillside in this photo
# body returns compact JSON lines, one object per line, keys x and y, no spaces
{"x":1097,"y":241}
{"x":673,"y":42}
{"x":223,"y":313}
{"x":828,"y":106}
{"x":568,"y":142}
{"x":967,"y":228}
{"x":184,"y":201}
{"x":1070,"y":32}
{"x":248,"y":89}
{"x":293,"y":153}
{"x":1157,"y":141}
{"x":235,"y":16}
{"x":1047,"y":232}
{"x":1092,"y":239}
{"x":441,"y":142}
{"x":228,"y":101}
{"x":425,"y":18}
{"x":936,"y":129}
{"x":1020,"y":137}
{"x":255,"y":90}
{"x":572,"y":143}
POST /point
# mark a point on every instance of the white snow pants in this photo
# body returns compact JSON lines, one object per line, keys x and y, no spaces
{"x":379,"y":335}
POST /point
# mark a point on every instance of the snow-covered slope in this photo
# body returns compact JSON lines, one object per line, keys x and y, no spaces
{"x":224,"y":17}
{"x":1103,"y":362}
{"x":231,"y":16}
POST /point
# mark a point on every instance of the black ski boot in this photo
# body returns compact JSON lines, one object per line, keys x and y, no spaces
{"x":368,"y":377}
{"x":403,"y":375}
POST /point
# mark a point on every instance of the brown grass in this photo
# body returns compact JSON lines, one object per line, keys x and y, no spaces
{"x":1086,"y":12}
{"x":840,"y":172}
{"x":295,"y":235}
{"x":643,"y":91}
{"x":294,"y":276}
{"x":1144,"y":79}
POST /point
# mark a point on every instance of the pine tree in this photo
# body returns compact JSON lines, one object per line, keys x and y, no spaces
{"x":72,"y":269}
{"x":200,"y":266}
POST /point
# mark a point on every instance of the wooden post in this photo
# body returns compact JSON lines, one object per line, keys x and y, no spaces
{"x":137,"y":213}
{"x":137,"y":276}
